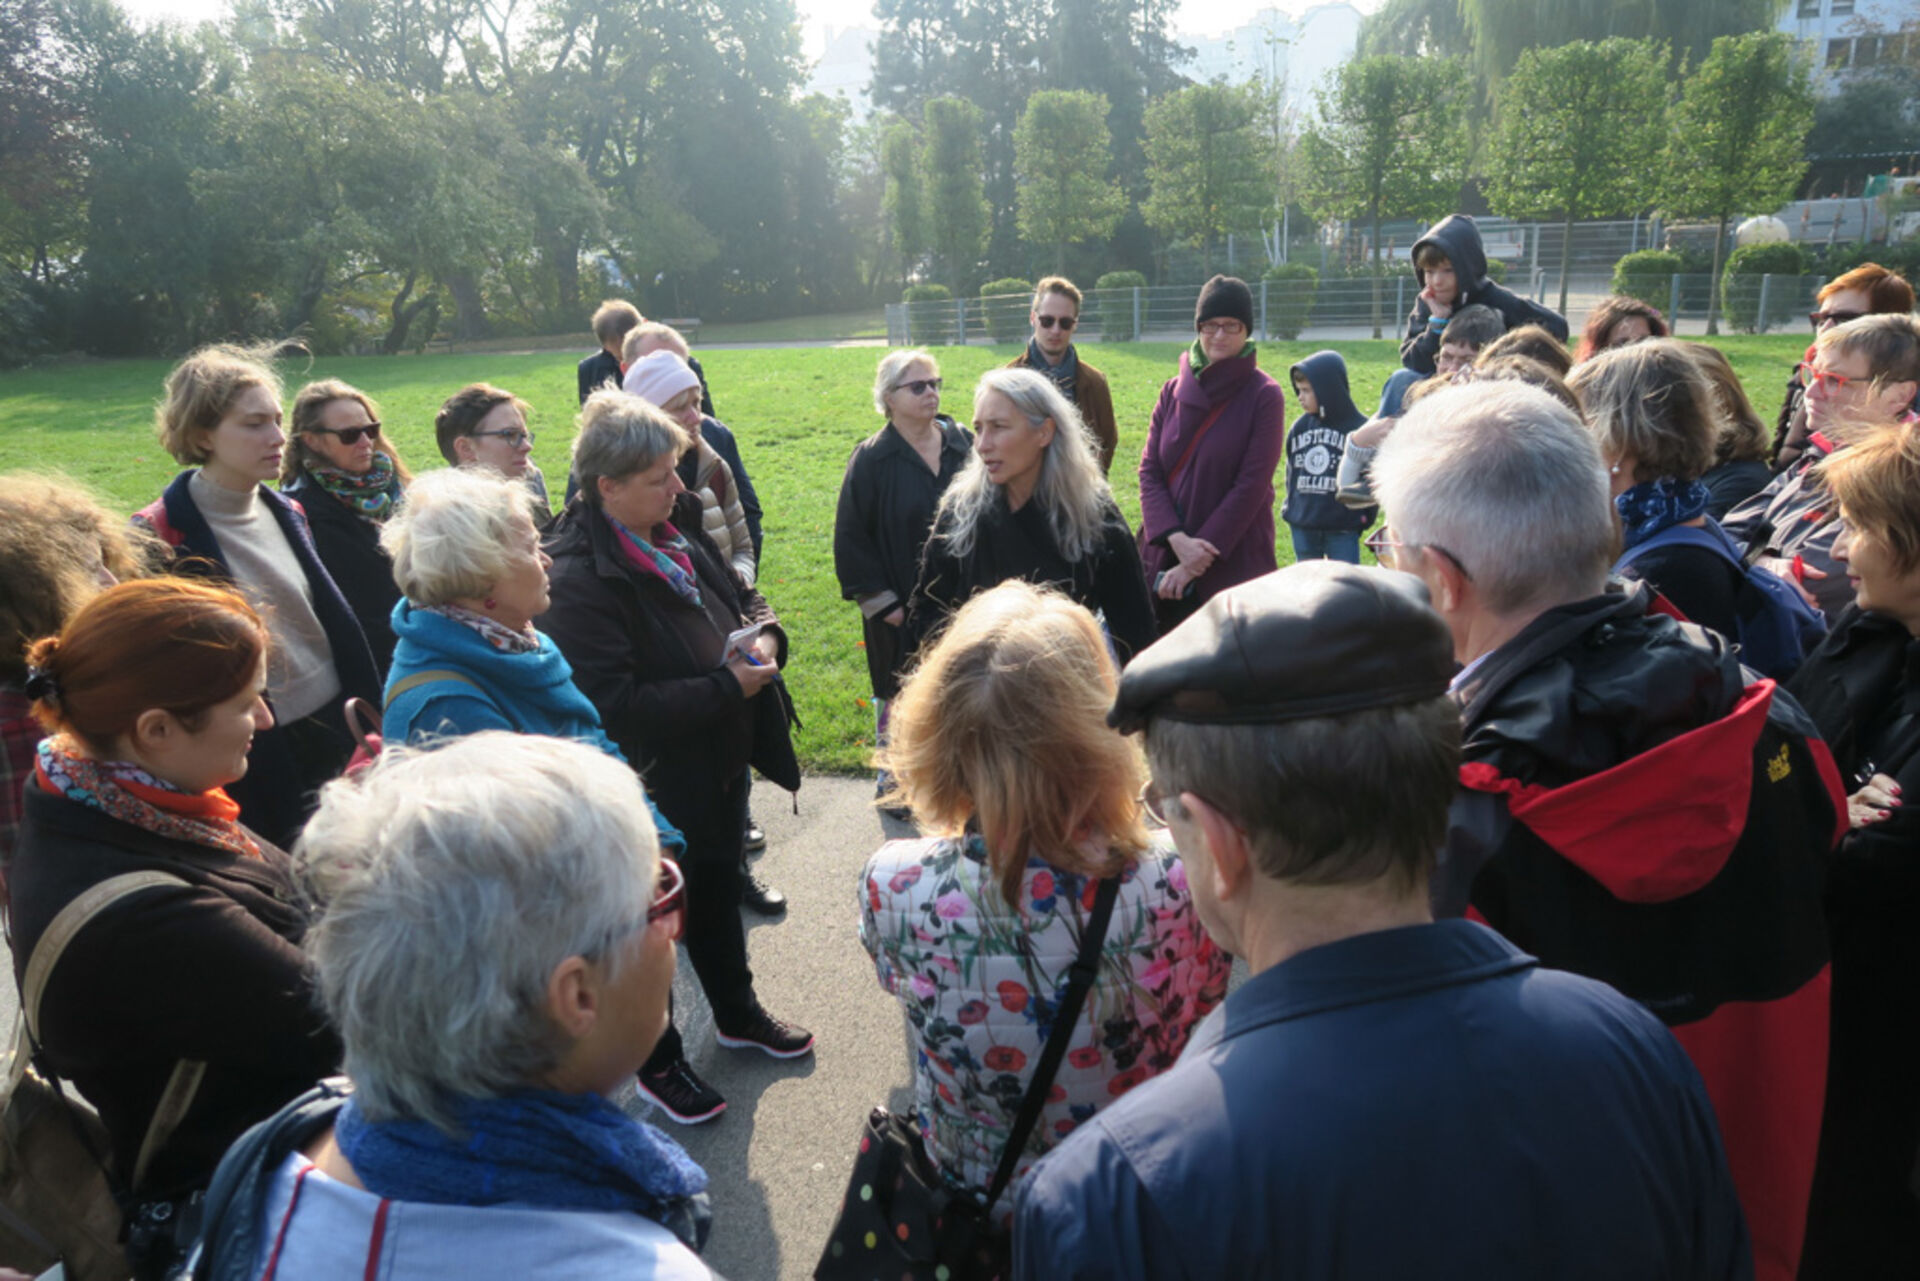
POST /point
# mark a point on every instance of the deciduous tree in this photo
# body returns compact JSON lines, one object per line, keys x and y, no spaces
{"x":955,"y":212}
{"x":1207,"y":165}
{"x":1063,"y":152}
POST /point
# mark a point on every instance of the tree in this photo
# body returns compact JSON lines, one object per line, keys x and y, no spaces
{"x":1389,"y":140}
{"x":1580,"y":128}
{"x":42,"y":152}
{"x":904,"y":201}
{"x":1500,"y":30}
{"x":1738,"y":137}
{"x":1062,"y":151}
{"x":955,"y":212}
{"x":1415,"y":27}
{"x":1207,"y":165}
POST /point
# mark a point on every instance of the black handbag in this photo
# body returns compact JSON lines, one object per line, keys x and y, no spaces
{"x":900,"y":1217}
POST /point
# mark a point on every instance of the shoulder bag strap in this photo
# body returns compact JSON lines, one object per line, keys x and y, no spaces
{"x":418,"y":679}
{"x":1086,"y":967}
{"x":185,"y":1080}
{"x":1206,"y":424}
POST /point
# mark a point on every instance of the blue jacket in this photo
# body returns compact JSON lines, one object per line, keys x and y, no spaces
{"x":521,"y":693}
{"x":1314,"y":445}
{"x":1419,"y":1102}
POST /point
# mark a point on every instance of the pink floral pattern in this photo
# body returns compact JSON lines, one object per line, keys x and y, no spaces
{"x":980,"y":981}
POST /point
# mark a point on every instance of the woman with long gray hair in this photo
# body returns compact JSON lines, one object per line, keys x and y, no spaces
{"x":1031,"y":503}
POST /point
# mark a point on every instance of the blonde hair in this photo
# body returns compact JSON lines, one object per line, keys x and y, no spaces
{"x":1003,"y":724}
{"x":49,"y":528}
{"x":652,"y":331}
{"x":1650,"y":400}
{"x":305,"y":417}
{"x":1071,"y":490}
{"x":450,"y":536}
{"x":202,"y":388}
{"x":1877,"y":484}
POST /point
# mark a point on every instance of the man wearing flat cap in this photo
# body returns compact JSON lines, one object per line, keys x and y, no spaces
{"x":1634,"y":806}
{"x":1387,"y":1096}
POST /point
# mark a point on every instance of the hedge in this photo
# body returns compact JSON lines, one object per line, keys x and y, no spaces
{"x":1005,"y":303}
{"x":1115,"y":291}
{"x":1290,"y":292}
{"x":1647,"y":274}
{"x":927,"y":325}
{"x":1741,"y":287}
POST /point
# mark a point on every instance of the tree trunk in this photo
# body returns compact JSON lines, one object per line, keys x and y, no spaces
{"x":1713,"y":287}
{"x":469,"y":308}
{"x":1566,"y":253}
{"x":403,"y":313}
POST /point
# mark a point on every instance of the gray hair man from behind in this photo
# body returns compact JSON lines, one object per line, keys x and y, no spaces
{"x":1303,"y":753}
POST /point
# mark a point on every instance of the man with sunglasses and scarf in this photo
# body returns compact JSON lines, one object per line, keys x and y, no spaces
{"x":1634,"y":805}
{"x":1054,"y":316}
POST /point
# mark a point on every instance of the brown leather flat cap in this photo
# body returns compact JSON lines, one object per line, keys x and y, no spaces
{"x":1314,"y":639}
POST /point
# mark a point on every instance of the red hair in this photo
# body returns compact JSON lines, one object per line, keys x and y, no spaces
{"x":167,"y":643}
{"x":1886,"y":291}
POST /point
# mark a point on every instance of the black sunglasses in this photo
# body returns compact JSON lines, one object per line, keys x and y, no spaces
{"x":1820,"y":318}
{"x":352,"y":435}
{"x":1065,"y":322}
{"x":919,"y":385}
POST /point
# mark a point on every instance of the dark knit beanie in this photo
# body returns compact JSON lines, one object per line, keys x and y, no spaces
{"x":1224,"y":298}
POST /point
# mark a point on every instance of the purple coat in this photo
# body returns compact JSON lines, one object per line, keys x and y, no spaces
{"x":1225,"y":492}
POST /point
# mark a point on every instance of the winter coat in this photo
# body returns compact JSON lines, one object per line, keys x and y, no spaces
{"x":1862,"y":689}
{"x":887,"y":502}
{"x":349,"y":547}
{"x":1094,"y":400}
{"x":1224,"y":493}
{"x":1459,"y":238}
{"x":209,"y":971}
{"x":1315,"y":444}
{"x":1795,"y":519}
{"x":1637,"y":808}
{"x":722,"y":516}
{"x":1732,"y":483}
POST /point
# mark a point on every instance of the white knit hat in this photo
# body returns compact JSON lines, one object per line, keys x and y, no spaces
{"x":659,"y":376}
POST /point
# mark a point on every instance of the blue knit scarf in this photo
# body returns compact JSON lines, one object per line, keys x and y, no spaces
{"x":1648,"y":508}
{"x":533,"y":1147}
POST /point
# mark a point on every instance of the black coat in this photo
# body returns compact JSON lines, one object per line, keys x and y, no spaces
{"x":1862,"y":688}
{"x":650,"y":661}
{"x":212,"y":971}
{"x":349,"y":547}
{"x":887,"y":502}
{"x":1008,"y":545}
{"x":1459,"y":238}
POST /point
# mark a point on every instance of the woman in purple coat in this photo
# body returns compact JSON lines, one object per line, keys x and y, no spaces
{"x":1206,"y":475}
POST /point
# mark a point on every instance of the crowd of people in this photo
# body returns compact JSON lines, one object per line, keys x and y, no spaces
{"x":1564,"y":846}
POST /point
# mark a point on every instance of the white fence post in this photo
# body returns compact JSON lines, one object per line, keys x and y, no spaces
{"x":1263,"y":309}
{"x":1136,"y":313}
{"x":1673,"y":301}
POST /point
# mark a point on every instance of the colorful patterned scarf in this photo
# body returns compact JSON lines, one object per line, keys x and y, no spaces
{"x":670,"y":559}
{"x":370,"y":494}
{"x":122,"y":790}
{"x":1648,"y":508}
{"x":494,"y":632}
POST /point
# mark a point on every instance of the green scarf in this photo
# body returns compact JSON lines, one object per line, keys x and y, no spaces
{"x":1197,"y":359}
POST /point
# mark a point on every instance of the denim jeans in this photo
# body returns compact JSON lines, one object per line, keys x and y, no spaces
{"x":1325,"y":544}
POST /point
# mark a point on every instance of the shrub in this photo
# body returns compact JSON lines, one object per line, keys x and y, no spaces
{"x":929,"y":325}
{"x":1115,"y":293}
{"x":1290,"y":291}
{"x":1005,"y":303}
{"x":1741,"y":287}
{"x":1647,"y":274}
{"x":1497,"y":270}
{"x":20,"y":320}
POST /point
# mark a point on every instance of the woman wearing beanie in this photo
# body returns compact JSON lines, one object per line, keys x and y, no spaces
{"x":668,"y":383}
{"x":1206,"y":475}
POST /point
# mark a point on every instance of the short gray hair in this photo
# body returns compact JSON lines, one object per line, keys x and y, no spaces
{"x":1506,"y":479}
{"x":450,"y":537}
{"x":619,"y":435}
{"x":449,"y":884}
{"x":887,"y":377}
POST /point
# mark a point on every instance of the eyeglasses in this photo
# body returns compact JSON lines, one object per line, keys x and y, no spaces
{"x":1821,"y":319}
{"x":1827,"y":381}
{"x":1222,"y":328}
{"x":920,"y":386}
{"x":670,"y":899}
{"x":1154,"y":802}
{"x":1065,"y":322}
{"x":352,"y":435}
{"x":1383,"y":540}
{"x":514,"y":438}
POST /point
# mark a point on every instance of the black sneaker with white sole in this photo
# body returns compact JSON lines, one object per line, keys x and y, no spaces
{"x":769,"y":1035}
{"x":681,"y":1094}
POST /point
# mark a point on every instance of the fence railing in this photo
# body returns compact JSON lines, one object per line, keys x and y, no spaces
{"x":1345,"y":308}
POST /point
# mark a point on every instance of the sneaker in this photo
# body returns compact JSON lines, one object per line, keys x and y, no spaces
{"x":764,"y":1032}
{"x":682,"y":1095}
{"x":757,"y":896}
{"x":756,"y":839}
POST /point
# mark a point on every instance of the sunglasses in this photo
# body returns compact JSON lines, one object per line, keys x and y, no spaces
{"x":1827,"y":382}
{"x":1065,"y":322}
{"x":1383,"y":541}
{"x":920,"y":386}
{"x":352,"y":435}
{"x":1821,"y":319}
{"x":514,"y":439}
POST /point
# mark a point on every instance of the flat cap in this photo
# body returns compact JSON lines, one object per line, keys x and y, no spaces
{"x":1313,"y":639}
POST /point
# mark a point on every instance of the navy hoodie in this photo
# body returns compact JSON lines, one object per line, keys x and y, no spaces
{"x":1314,"y":446}
{"x":1459,"y":238}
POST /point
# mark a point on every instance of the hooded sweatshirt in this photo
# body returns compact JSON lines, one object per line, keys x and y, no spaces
{"x":1459,"y":238}
{"x":1315,"y":443}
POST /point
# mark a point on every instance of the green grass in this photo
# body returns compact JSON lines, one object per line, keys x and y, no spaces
{"x":797,"y":412}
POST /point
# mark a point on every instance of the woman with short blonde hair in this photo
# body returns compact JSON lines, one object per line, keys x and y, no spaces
{"x":1000,"y":745}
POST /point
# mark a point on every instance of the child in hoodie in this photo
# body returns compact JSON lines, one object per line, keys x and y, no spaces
{"x":1321,"y":526}
{"x":1451,"y":265}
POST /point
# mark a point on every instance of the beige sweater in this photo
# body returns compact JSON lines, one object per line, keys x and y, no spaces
{"x":300,"y":674}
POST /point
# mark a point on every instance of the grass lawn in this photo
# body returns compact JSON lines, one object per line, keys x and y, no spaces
{"x":797,"y":412}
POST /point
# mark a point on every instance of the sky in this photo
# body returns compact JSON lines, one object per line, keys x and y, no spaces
{"x":1195,"y":17}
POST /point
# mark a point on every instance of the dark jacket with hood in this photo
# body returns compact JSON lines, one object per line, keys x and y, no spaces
{"x":1862,"y":688}
{"x":349,"y":546}
{"x":1458,"y":238}
{"x":1315,"y":443}
{"x":1637,"y":808}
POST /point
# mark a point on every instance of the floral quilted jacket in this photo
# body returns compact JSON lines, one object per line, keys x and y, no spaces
{"x":980,"y":981}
